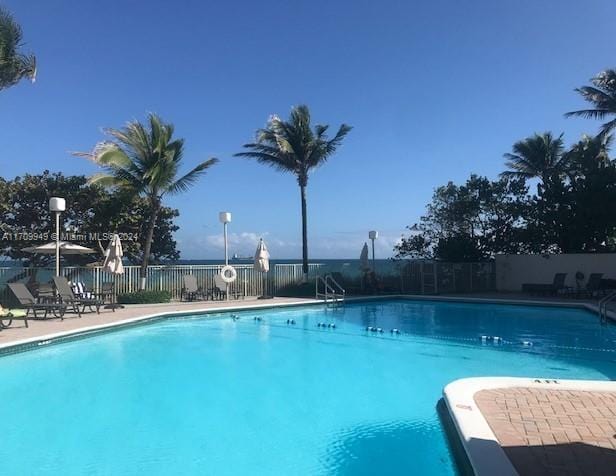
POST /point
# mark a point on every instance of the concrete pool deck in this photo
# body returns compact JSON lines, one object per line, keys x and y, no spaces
{"x":46,"y":329}
{"x":520,"y":426}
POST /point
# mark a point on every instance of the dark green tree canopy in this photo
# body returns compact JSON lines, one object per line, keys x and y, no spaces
{"x":91,"y":213}
{"x":573,"y":211}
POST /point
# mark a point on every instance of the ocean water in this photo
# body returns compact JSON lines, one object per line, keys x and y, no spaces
{"x":259,"y":395}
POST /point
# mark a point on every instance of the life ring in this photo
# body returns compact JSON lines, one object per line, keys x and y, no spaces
{"x":228,"y":274}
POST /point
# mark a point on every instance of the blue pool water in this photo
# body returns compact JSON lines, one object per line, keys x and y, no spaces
{"x":198,"y":395}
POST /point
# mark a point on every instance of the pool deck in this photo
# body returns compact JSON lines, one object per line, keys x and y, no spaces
{"x":528,"y":427}
{"x":46,"y":329}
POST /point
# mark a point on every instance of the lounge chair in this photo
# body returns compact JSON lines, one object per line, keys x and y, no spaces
{"x":68,"y":297}
{"x":11,"y":315}
{"x":27,"y":300}
{"x":593,"y":286}
{"x":548,"y":289}
{"x":219,"y":290}
{"x":191,"y":289}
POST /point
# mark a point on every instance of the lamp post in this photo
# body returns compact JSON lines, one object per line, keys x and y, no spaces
{"x":57,"y":205}
{"x":225,"y":218}
{"x":373,"y":235}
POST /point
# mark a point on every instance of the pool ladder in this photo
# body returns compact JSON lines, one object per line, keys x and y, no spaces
{"x":603,"y":306}
{"x":328,"y":289}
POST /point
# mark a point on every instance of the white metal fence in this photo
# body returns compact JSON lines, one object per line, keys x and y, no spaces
{"x":168,"y":278}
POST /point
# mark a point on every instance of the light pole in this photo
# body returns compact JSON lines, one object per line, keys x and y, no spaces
{"x":225,"y":218}
{"x":57,"y":205}
{"x":373,"y":235}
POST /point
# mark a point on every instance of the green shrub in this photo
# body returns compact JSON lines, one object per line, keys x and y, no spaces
{"x":297,"y":290}
{"x":144,"y":297}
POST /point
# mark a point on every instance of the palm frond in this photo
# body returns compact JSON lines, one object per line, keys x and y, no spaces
{"x":14,"y":66}
{"x":602,"y":95}
{"x":184,"y":183}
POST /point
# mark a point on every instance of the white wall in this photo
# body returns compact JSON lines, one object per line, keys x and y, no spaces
{"x":514,"y":270}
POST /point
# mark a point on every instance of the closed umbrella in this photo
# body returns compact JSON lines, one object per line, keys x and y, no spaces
{"x":364,"y":263}
{"x":113,"y":265}
{"x":262,"y":264}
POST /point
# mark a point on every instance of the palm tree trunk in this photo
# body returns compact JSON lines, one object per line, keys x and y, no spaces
{"x":143,"y":272}
{"x":302,"y":189}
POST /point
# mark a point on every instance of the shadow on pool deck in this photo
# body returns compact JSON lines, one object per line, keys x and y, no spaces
{"x":563,"y":459}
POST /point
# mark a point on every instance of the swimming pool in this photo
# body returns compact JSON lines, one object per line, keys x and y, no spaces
{"x":258,"y":395}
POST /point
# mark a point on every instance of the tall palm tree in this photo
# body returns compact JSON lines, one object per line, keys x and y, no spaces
{"x":539,"y":156}
{"x":146,"y":161}
{"x":294,"y":147}
{"x":602,"y":95}
{"x":14,"y":66}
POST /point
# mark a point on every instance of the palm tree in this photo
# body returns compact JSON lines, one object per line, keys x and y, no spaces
{"x":14,"y":66}
{"x":539,"y":156}
{"x":602,"y":95}
{"x":294,"y":147}
{"x":145,"y":161}
{"x":589,"y":153}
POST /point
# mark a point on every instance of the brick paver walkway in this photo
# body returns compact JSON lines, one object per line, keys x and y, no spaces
{"x":553,"y":432}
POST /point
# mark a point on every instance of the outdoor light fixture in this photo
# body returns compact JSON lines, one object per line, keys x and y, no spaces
{"x":373,"y":235}
{"x":57,"y":205}
{"x":225,"y":218}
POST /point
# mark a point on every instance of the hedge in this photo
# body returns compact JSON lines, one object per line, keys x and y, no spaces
{"x":144,"y":297}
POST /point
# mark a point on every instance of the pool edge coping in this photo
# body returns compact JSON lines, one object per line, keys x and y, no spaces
{"x":36,"y":341}
{"x":482,"y":448}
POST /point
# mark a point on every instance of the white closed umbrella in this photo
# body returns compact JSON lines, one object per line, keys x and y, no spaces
{"x":113,"y":256}
{"x":66,"y":248}
{"x":262,"y":264}
{"x":262,"y":257}
{"x":113,"y":265}
{"x":364,"y":262}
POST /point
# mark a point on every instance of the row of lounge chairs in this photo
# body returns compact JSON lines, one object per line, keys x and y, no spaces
{"x":191,"y":290}
{"x":593,"y":287}
{"x":57,"y":305}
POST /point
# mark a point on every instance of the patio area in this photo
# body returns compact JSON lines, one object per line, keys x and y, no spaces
{"x":553,"y":432}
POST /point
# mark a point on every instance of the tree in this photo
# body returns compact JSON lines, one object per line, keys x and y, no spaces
{"x":145,"y":161}
{"x":92,"y":215}
{"x":593,"y":196}
{"x":470,"y":222}
{"x":14,"y":66}
{"x":294,"y":147}
{"x":602,"y":95}
{"x":538,"y":156}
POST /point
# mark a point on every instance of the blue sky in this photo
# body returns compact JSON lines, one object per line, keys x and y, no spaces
{"x":434,"y":90}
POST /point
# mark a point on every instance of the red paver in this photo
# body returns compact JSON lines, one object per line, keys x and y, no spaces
{"x":553,"y":432}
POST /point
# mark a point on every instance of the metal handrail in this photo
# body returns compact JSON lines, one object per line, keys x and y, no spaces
{"x":329,"y":290}
{"x":603,"y":305}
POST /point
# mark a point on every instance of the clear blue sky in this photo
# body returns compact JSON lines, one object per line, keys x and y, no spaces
{"x":435,"y":90}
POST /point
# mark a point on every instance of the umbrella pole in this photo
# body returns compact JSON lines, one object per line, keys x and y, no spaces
{"x":114,"y":298}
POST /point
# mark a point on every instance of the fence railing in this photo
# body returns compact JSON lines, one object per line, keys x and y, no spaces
{"x":413,"y":277}
{"x":169,"y":278}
